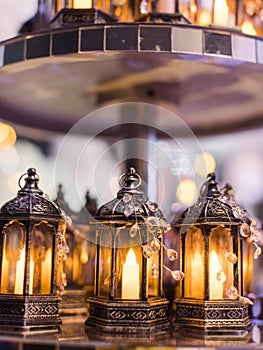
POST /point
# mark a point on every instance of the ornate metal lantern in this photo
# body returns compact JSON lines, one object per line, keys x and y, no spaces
{"x":211,"y":258}
{"x":128,"y":276}
{"x":31,"y":242}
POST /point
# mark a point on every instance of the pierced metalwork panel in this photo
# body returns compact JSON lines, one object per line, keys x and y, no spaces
{"x":129,"y":317}
{"x":212,"y":315}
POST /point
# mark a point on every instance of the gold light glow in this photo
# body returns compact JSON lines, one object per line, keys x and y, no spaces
{"x":204,"y":164}
{"x":205,"y":18}
{"x":186,"y":191}
{"x":7,"y":135}
{"x":248,"y":28}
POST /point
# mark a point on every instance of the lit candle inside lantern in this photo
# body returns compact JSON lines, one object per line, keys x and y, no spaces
{"x":215,"y":287}
{"x":20,"y":271}
{"x":221,"y":12}
{"x":130,"y":277}
{"x":197,"y":276}
{"x":46,"y":273}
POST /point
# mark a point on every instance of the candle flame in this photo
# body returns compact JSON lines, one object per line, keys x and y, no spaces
{"x":131,"y":257}
{"x":214,"y":260}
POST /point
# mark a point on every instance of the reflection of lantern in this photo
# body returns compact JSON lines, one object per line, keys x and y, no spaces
{"x":129,"y":291}
{"x":30,"y":238}
{"x":211,"y":258}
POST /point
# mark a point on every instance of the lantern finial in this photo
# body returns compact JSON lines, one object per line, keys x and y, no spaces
{"x":31,"y":182}
{"x":209,"y":189}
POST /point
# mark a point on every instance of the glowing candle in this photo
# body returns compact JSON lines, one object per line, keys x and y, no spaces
{"x":82,"y":4}
{"x":197,"y":276}
{"x":20,"y":271}
{"x":215,"y":287}
{"x":221,"y":12}
{"x":46,"y":273}
{"x":130,"y":277}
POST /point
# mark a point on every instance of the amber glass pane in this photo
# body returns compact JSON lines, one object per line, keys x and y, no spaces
{"x":41,"y":258}
{"x":13,"y":258}
{"x":194,"y":264}
{"x":220,"y":269}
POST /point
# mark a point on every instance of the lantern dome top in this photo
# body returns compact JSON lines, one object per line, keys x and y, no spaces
{"x":210,"y":207}
{"x":130,"y":203}
{"x":30,"y":200}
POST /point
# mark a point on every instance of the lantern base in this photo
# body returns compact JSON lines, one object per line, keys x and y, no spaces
{"x":213,"y":317}
{"x":29,"y":315}
{"x":123,"y":316}
{"x":73,"y":303}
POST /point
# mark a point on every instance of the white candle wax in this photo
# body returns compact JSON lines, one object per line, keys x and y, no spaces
{"x":130,"y":277}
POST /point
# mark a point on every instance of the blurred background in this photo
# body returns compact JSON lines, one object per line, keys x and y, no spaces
{"x":59,"y":157}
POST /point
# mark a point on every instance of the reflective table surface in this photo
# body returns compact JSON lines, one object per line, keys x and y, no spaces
{"x":73,"y":335}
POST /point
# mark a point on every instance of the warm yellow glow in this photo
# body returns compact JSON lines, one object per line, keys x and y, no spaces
{"x":248,"y":28}
{"x":186,"y":191}
{"x":46,"y":273}
{"x":205,"y":18}
{"x":221,"y":12}
{"x":7,"y":135}
{"x":20,"y":272}
{"x":204,"y":164}
{"x":193,"y":8}
{"x":82,"y":4}
{"x":215,"y":287}
{"x":130,"y":277}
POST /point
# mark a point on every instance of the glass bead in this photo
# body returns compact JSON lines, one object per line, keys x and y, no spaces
{"x":244,"y":230}
{"x":162,"y":224}
{"x":231,"y":258}
{"x":237,"y":212}
{"x":65,"y":249}
{"x":127,"y":197}
{"x":232,"y":293}
{"x":153,"y":207}
{"x":257,"y":253}
{"x":134,"y":230}
{"x":155,"y":273}
{"x":155,"y":245}
{"x":172,"y":254}
{"x":256,"y":236}
{"x":177,"y":275}
{"x":220,"y":276}
{"x":128,"y":211}
{"x":246,"y":300}
{"x":64,"y":281}
{"x":147,"y":251}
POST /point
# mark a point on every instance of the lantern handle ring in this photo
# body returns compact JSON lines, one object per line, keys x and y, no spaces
{"x":22,"y":176}
{"x":130,"y":177}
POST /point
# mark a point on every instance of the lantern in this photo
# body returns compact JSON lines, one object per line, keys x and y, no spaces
{"x":30,"y":246}
{"x":211,"y":258}
{"x":128,"y":277}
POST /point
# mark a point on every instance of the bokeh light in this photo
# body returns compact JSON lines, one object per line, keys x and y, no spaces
{"x":9,"y":160}
{"x":7,"y":135}
{"x":187,"y":191}
{"x":204,"y":164}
